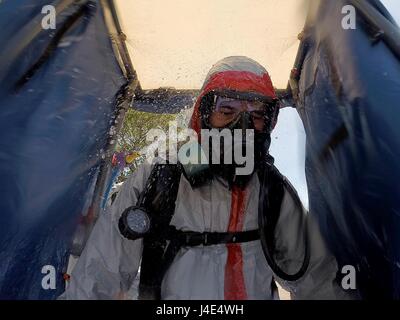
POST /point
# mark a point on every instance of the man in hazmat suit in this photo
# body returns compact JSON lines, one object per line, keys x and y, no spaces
{"x":232,"y":235}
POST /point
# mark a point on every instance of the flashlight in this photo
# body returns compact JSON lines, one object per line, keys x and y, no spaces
{"x":134,"y":223}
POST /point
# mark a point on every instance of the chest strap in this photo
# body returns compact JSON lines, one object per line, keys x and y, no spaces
{"x":193,"y":239}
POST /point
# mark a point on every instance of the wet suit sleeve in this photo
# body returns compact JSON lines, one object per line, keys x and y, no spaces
{"x":109,"y":263}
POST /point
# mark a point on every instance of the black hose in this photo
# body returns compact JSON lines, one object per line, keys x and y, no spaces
{"x":271,"y":196}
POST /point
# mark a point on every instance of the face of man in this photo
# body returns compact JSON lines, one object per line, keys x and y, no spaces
{"x":227,"y":110}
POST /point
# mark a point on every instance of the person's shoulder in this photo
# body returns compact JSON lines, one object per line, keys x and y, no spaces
{"x":135,"y":183}
{"x":143,"y":172}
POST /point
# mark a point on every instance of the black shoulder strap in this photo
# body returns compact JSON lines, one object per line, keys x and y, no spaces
{"x":158,"y":198}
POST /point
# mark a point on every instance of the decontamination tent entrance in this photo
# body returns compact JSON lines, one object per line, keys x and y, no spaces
{"x":64,"y":89}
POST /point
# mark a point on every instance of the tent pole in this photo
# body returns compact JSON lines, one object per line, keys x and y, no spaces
{"x":123,"y":100}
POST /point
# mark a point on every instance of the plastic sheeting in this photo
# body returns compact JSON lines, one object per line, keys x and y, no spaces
{"x":174,"y":43}
{"x":56,"y":111}
{"x":349,"y":99}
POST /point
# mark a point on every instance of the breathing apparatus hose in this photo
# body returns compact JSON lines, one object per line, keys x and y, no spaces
{"x":267,"y":230}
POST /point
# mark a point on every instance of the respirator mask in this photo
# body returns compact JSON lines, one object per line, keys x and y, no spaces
{"x":235,"y":135}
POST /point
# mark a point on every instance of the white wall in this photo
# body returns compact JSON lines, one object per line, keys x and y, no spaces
{"x":288,"y":149}
{"x":393,"y":7}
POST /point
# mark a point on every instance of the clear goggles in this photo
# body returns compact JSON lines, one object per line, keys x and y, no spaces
{"x":231,"y":108}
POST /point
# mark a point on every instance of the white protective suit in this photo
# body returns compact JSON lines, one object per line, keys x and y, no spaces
{"x":109,"y":262}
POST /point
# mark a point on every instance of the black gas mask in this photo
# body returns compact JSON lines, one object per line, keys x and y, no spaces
{"x":243,"y":122}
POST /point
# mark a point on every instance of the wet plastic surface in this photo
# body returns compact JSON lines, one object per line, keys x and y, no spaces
{"x":56,"y":111}
{"x":349,"y":99}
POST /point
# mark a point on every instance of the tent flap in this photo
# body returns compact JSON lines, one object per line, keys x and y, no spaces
{"x":57,"y":107}
{"x":348,"y":100}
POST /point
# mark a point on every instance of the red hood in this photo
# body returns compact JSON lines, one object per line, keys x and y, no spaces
{"x":240,"y":74}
